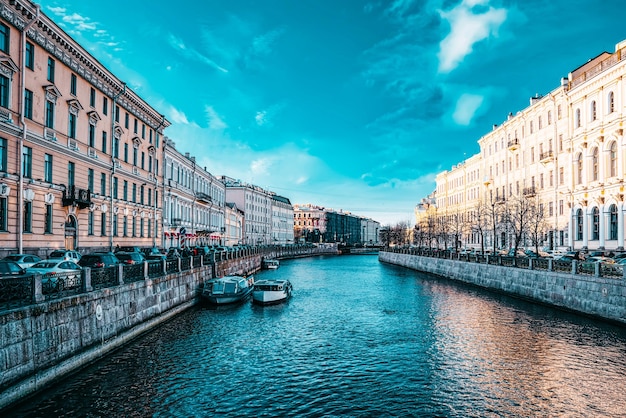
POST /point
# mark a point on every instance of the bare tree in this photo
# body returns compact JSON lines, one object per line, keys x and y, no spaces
{"x":537,"y":224}
{"x":519,"y":218}
{"x":480,"y":222}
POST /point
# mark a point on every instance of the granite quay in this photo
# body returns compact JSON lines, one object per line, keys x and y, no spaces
{"x":48,"y":331}
{"x":598,"y":290}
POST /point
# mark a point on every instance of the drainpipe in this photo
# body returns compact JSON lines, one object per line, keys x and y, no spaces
{"x":113,"y":163}
{"x":20,"y":189}
{"x":156,"y":183}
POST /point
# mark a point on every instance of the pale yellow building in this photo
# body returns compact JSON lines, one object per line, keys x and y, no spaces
{"x":565,"y":151}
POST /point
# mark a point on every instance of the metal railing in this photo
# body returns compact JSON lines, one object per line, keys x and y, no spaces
{"x":24,"y":290}
{"x":596,"y":269}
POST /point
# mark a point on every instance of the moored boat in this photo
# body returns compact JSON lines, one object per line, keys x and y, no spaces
{"x":271,"y":291}
{"x":271,"y":263}
{"x":228,"y":289}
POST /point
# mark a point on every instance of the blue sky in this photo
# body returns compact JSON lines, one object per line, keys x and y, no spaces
{"x":353,"y":105}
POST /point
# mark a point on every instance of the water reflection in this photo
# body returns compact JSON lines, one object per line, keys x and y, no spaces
{"x":358,"y":338}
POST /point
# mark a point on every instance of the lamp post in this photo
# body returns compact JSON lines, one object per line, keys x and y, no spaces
{"x":154,"y":217}
{"x":492,"y":213}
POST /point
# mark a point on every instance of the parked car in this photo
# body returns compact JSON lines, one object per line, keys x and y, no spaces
{"x":130,"y":258}
{"x":533,"y":254}
{"x":173,"y":252}
{"x":202,"y":250}
{"x":24,"y":260}
{"x":10,"y":268}
{"x":153,"y":257}
{"x":512,"y":253}
{"x":148,"y":251}
{"x":128,"y":249}
{"x":588,"y":265}
{"x":99,"y":260}
{"x":68,"y":255}
{"x":61,"y":273}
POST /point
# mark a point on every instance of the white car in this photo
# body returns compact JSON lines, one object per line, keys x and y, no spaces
{"x":62,"y":274}
{"x":24,"y":260}
{"x":69,"y":255}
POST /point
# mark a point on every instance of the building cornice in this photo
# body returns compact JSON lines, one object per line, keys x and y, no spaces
{"x":61,"y":45}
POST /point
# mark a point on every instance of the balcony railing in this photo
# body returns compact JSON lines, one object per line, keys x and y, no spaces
{"x":546,"y":157}
{"x":513,"y":144}
{"x":77,"y":197}
{"x":176,"y":222}
{"x":203,"y":197}
{"x":529,"y":191}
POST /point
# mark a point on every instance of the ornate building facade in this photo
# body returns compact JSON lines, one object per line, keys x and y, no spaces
{"x":79,"y":151}
{"x":194,"y":202}
{"x":319,"y":224}
{"x":565,"y":151}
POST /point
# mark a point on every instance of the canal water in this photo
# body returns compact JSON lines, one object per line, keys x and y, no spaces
{"x":358,"y":338}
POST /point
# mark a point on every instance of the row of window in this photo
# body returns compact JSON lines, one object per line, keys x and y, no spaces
{"x":27,"y":219}
{"x":595,"y":224}
{"x":593,"y":110}
{"x":138,"y":227}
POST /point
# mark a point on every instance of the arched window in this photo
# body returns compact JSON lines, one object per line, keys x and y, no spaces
{"x":577,"y":119}
{"x":613,"y":222}
{"x":595,"y":232}
{"x":593,"y":110}
{"x":579,"y":225}
{"x":611,"y":102}
{"x":579,"y":169}
{"x":613,"y":162}
{"x":594,"y":164}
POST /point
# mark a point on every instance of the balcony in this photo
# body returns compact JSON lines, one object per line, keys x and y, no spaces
{"x":499,"y":200}
{"x":513,"y":144}
{"x":176,"y":222}
{"x":203,"y":197}
{"x":529,"y":192}
{"x":546,"y":157}
{"x":77,"y":197}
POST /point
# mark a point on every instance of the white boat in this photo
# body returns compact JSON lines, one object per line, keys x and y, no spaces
{"x":271,"y":263}
{"x":271,"y":291}
{"x":228,"y":289}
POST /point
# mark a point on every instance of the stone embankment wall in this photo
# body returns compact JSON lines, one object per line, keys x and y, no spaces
{"x":600,"y":297}
{"x":43,"y":342}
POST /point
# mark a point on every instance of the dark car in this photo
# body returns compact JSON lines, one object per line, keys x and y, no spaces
{"x":157,"y":257}
{"x":202,"y":250}
{"x":130,"y":257}
{"x":10,"y":268}
{"x":98,"y":260}
{"x":148,"y":251}
{"x":127,"y":249}
{"x":174,"y":252}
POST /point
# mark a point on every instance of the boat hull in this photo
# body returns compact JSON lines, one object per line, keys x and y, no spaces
{"x":267,"y":298}
{"x":227,"y":299}
{"x":267,"y":292}
{"x":228,"y":290}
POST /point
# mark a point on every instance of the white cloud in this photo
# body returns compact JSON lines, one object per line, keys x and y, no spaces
{"x":260,"y":167}
{"x":262,"y":44}
{"x":214,"y":119}
{"x":466,"y":108}
{"x":467,"y":27}
{"x":260,"y":118}
{"x":190,"y":53}
{"x":177,"y":116}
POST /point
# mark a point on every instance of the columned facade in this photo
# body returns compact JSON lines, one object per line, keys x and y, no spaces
{"x":566,"y":153}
